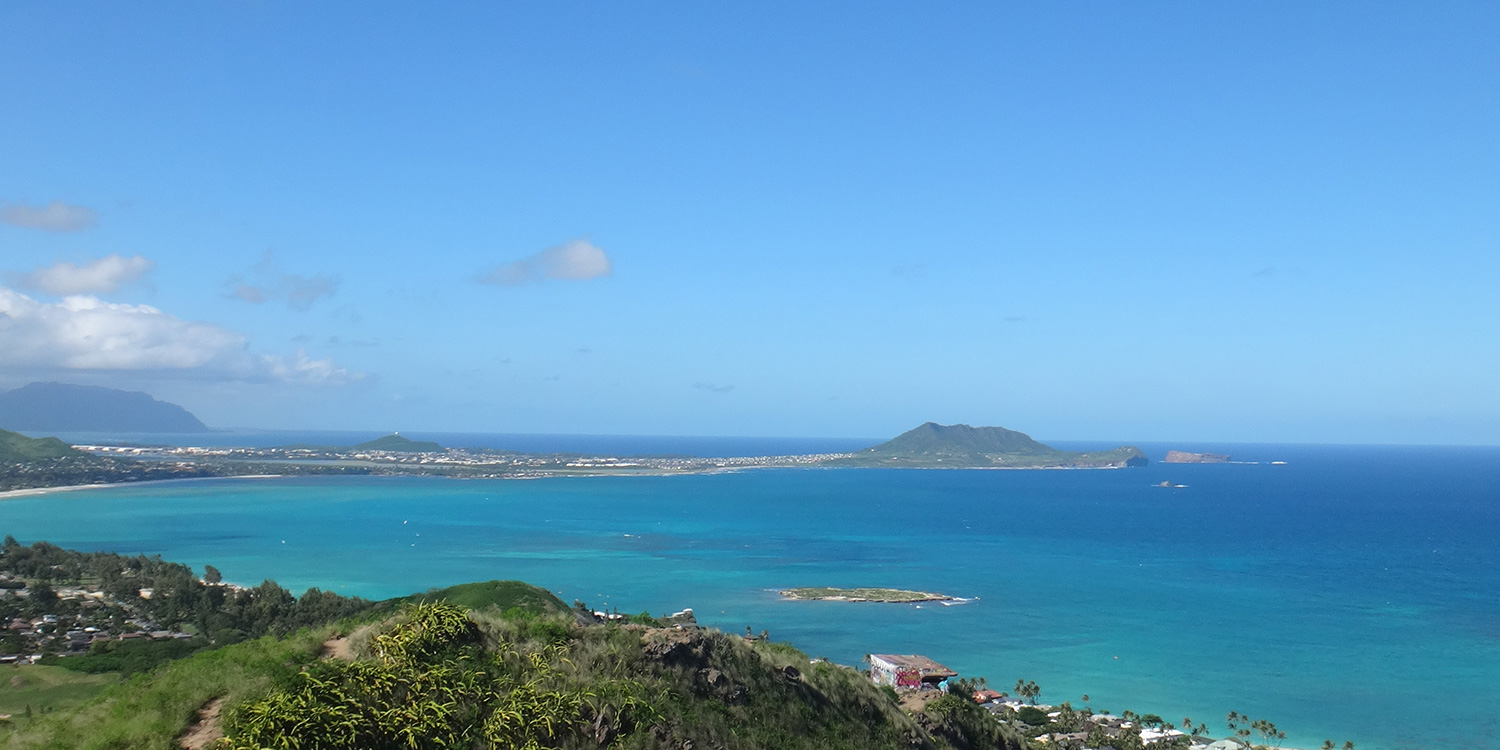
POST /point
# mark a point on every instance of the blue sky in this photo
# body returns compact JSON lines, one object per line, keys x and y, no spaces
{"x":1103,"y":220}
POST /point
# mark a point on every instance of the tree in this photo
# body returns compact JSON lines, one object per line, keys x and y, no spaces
{"x":211,"y":574}
{"x":1245,"y":727}
{"x":43,"y":595}
{"x":1028,"y":690}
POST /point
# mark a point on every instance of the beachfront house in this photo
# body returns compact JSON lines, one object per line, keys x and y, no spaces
{"x":907,"y":671}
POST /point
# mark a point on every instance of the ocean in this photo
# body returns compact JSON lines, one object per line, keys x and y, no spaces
{"x":1349,"y":594}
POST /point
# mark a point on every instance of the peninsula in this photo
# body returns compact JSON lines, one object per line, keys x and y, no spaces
{"x":931,"y":446}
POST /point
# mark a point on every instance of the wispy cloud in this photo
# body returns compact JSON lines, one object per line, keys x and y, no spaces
{"x":267,"y":281}
{"x":86,"y":333}
{"x":53,"y":217}
{"x":104,"y":275}
{"x":570,"y":261}
{"x":713,"y":387}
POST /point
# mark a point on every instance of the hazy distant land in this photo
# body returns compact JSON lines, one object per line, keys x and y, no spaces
{"x":48,"y":408}
{"x":27,"y":463}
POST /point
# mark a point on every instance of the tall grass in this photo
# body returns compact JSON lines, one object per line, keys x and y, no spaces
{"x":149,"y":711}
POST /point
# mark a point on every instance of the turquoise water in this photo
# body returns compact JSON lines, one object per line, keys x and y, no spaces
{"x":1350,"y":594}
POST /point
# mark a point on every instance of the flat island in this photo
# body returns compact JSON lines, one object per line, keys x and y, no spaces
{"x":864,"y":595}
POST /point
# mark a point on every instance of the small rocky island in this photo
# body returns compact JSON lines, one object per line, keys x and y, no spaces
{"x":1184,"y":457}
{"x":864,"y":595}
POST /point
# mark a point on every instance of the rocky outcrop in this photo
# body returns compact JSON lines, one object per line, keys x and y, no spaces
{"x":1184,"y":457}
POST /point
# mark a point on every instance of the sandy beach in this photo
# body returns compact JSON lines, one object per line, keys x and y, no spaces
{"x":33,"y":491}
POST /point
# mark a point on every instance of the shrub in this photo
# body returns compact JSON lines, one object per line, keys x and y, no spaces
{"x":1032,"y":715}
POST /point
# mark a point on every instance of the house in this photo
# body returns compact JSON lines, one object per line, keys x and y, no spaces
{"x":907,"y":670}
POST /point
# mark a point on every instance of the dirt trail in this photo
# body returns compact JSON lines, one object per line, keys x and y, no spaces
{"x":205,"y":729}
{"x":338,"y":648}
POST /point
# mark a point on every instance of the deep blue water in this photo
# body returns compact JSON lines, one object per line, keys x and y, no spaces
{"x":1349,"y":594}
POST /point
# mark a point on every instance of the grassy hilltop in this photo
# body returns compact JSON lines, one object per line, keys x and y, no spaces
{"x":438,"y":675}
{"x":17,"y":448}
{"x":490,"y":665}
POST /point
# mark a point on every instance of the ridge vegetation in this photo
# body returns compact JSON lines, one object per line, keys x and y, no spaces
{"x":487,"y":666}
{"x":16,"y":448}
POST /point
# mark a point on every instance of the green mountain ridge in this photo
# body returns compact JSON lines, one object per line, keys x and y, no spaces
{"x":933,"y":445}
{"x":17,"y":448}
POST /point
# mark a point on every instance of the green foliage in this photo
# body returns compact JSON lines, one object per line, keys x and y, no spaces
{"x":179,"y":598}
{"x":503,"y":595}
{"x":1246,"y":728}
{"x":960,"y":723}
{"x":430,"y":687}
{"x":15,"y":447}
{"x":433,"y":684}
{"x":46,"y":688}
{"x":430,"y":632}
{"x":128,"y":657}
{"x":966,"y":687}
{"x":645,"y":619}
{"x":150,"y":710}
{"x":1028,"y":690}
{"x":1033,"y":716}
{"x":786,"y":650}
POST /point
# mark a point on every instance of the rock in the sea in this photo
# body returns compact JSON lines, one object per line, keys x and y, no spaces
{"x":1184,"y":457}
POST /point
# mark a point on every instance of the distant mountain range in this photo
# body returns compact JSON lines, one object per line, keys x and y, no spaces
{"x":934,"y":445}
{"x":63,"y":407}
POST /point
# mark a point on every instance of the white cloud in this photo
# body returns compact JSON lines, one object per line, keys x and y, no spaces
{"x":103,"y":275}
{"x":86,"y":333}
{"x":53,"y":217}
{"x":266,"y":281}
{"x":570,"y":261}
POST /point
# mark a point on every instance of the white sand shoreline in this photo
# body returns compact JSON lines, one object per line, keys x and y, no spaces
{"x":35,"y":491}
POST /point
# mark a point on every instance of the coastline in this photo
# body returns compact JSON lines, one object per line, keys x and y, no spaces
{"x":35,"y":491}
{"x":547,"y":474}
{"x":869,"y":496}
